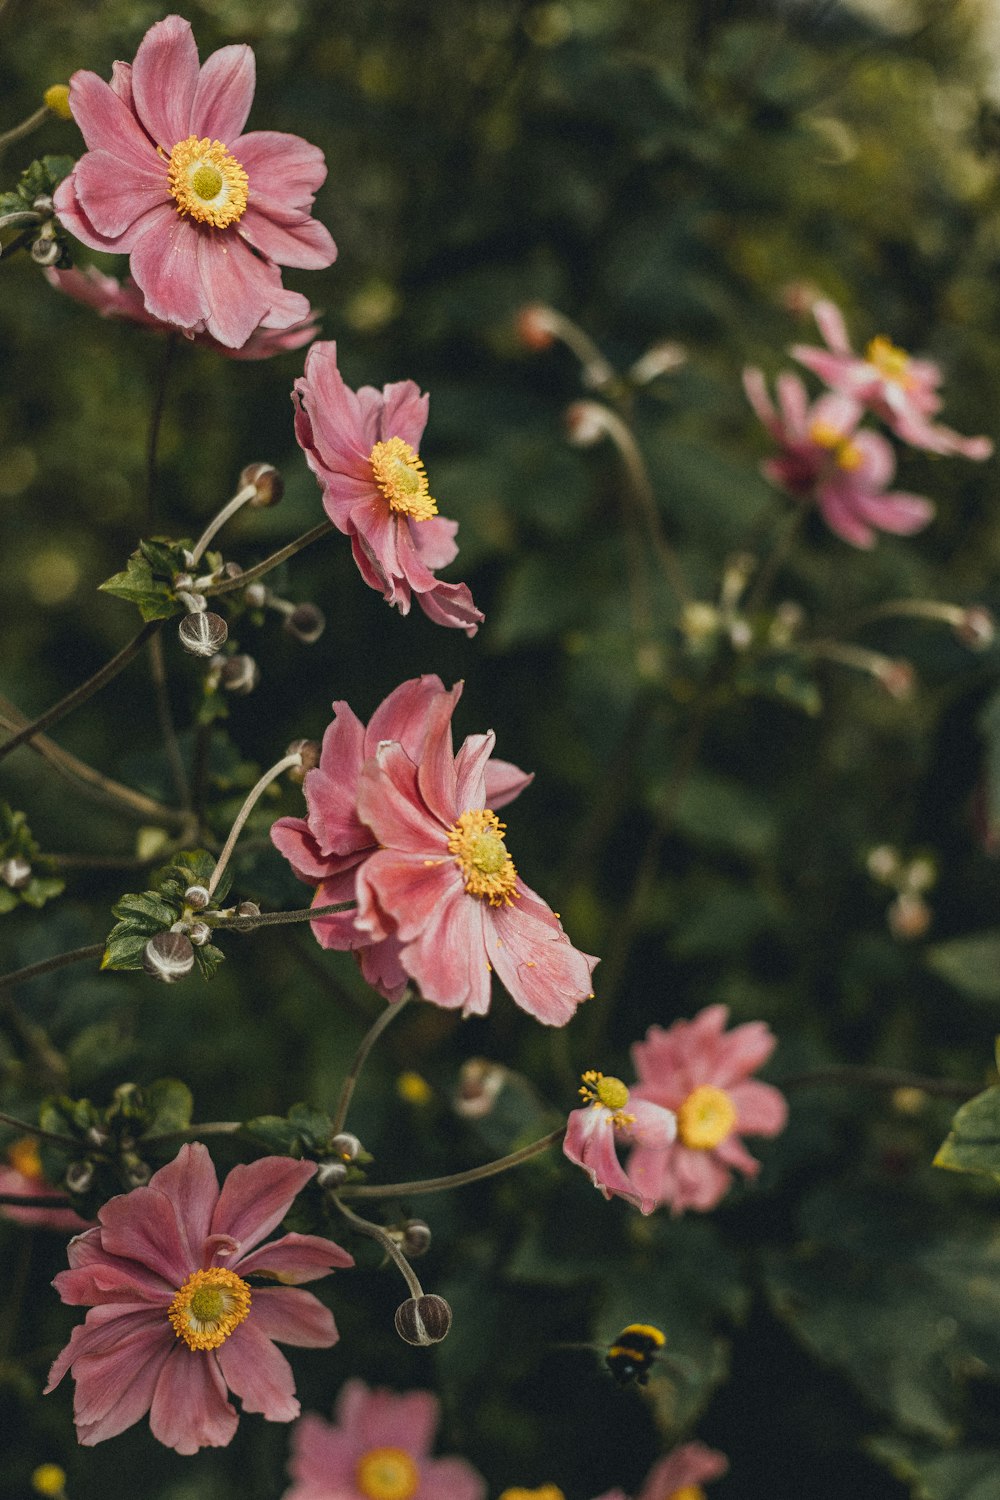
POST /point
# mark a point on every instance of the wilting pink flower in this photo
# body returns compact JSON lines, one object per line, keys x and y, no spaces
{"x":702,"y":1072}
{"x":173,"y":1320}
{"x":379,"y":1446}
{"x":363,"y":448}
{"x":826,"y":458}
{"x":24,"y":1176}
{"x":326,"y":847}
{"x":113,"y":299}
{"x":902,"y":391}
{"x":443,"y":883}
{"x":205,"y":213}
{"x":613,"y":1114}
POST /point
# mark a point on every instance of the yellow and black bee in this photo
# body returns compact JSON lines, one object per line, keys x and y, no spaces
{"x":633,"y":1352}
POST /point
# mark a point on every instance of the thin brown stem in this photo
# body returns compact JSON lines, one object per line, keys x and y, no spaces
{"x":881,"y":1078}
{"x":194,"y":1132}
{"x":282,"y":918}
{"x":361,"y":1056}
{"x":156,"y":423}
{"x":389,"y":1245}
{"x":165,"y":717}
{"x":26,"y":127}
{"x":227,"y":585}
{"x":253,"y":796}
{"x":21,"y":1200}
{"x":47,"y":965}
{"x":457,"y":1179}
{"x":26,"y":1128}
{"x":86,"y":689}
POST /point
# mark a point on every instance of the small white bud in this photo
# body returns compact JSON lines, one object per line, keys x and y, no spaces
{"x":168,"y":956}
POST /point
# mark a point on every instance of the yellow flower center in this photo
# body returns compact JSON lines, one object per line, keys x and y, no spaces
{"x":846,"y":454}
{"x":207,"y":182}
{"x":891,"y":363}
{"x":476,"y":841}
{"x":547,"y":1492}
{"x":208,"y":1307}
{"x":687,"y":1492}
{"x":387,"y":1474}
{"x":399,"y":474}
{"x":607,"y":1093}
{"x":24,"y":1158}
{"x":705,"y":1118}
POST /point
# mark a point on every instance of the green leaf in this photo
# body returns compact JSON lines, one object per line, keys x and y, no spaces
{"x":146,"y":910}
{"x":973,"y":1144}
{"x":278,"y":1134}
{"x":971,"y":964}
{"x":168,"y":1105}
{"x":152,"y":597}
{"x":208,"y":958}
{"x":970,"y":1475}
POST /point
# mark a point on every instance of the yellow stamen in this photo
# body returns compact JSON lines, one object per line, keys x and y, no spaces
{"x":891,"y":362}
{"x":49,"y":1479}
{"x":846,"y":454}
{"x":607,"y":1093}
{"x":399,"y":474}
{"x":476,"y":841}
{"x":387,"y":1474}
{"x":547,"y":1492}
{"x":24,"y":1158}
{"x":207,"y":182}
{"x":208,"y":1307}
{"x":688,"y":1492}
{"x":705,"y":1118}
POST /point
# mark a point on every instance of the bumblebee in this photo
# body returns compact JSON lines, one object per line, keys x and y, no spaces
{"x":633,"y":1352}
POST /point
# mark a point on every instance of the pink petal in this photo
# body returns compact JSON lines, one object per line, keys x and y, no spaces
{"x":471,"y":771}
{"x":107,"y":124}
{"x":258,"y":1373}
{"x":504,"y":782}
{"x":451,"y":604}
{"x":690,"y":1464}
{"x":389,"y":803}
{"x":293,"y":838}
{"x":284,"y":170}
{"x":448,"y":957}
{"x":331,"y":790}
{"x":224,"y":94}
{"x":322,"y":1457}
{"x":142,"y":1225}
{"x":256,"y":1197}
{"x":164,"y":80}
{"x":733,"y":1153}
{"x":110,"y":1279}
{"x":189,"y":1181}
{"x":379,"y":1418}
{"x":899,"y":513}
{"x":294,"y":1317}
{"x":405,"y":888}
{"x":841,"y":413}
{"x":71,"y":215}
{"x":435,"y":542}
{"x":590,"y":1142}
{"x":121,"y":83}
{"x":340,"y":930}
{"x":436,"y":779}
{"x":451,"y":1479}
{"x":830,"y":322}
{"x":335,"y":413}
{"x":304,"y":242}
{"x":116,"y":194}
{"x":755,"y":386}
{"x":702,"y":1180}
{"x":103,"y":1331}
{"x":741,"y":1052}
{"x":189,"y":1409}
{"x":164,"y":264}
{"x":535,"y":961}
{"x":878,"y":462}
{"x":836,"y":505}
{"x":761,"y":1109}
{"x":381,"y":968}
{"x":294,"y":1258}
{"x":404,"y":413}
{"x":104,"y":1380}
{"x":793,"y":405}
{"x":236,"y":287}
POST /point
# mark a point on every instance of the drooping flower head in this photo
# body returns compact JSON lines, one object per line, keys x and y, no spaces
{"x":444,"y":885}
{"x":826,"y":458}
{"x":899,"y":389}
{"x":326,"y":847}
{"x":363,"y":447}
{"x":123,"y":300}
{"x":613,"y":1114}
{"x":174,"y":1321}
{"x":25,"y":1176}
{"x":205,"y":212}
{"x":702,"y":1072}
{"x":378,"y":1448}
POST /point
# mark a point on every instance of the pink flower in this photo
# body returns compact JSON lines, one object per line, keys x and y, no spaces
{"x":825,"y":458}
{"x":24,"y":1176}
{"x":611,"y":1113}
{"x":205,"y":213}
{"x":702,"y":1073}
{"x":363,"y":448}
{"x":113,"y":299}
{"x":443,"y":883}
{"x":379,"y":1447}
{"x":326,"y":847}
{"x":680,"y":1475}
{"x":902,"y":391}
{"x":173,"y":1320}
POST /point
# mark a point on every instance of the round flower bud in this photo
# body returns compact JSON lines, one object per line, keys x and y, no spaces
{"x":248,"y":909}
{"x":331,"y":1174}
{"x":908,"y":917}
{"x":346,"y":1146}
{"x":585,"y":423}
{"x":977,"y":628}
{"x":416,"y":1239}
{"x":898,"y":678}
{"x":197,"y":897}
{"x":15,"y":872}
{"x":183,"y":582}
{"x":202,"y":634}
{"x":168,"y":956}
{"x":240,"y":675}
{"x":46,"y":250}
{"x":423,"y":1320}
{"x":306,"y":623}
{"x":883,"y":863}
{"x":43,"y":204}
{"x":78,"y":1177}
{"x":479,"y":1083}
{"x":256,"y":595}
{"x":659,"y":360}
{"x":137,"y":1171}
{"x":310,"y":753}
{"x":266,"y":481}
{"x":536,"y":325}
{"x":199,"y":933}
{"x":56,"y":98}
{"x":97,"y":1136}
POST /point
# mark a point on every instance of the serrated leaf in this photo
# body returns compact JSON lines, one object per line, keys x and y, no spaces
{"x":145,"y":910}
{"x":973,"y":1144}
{"x":208,"y":958}
{"x":153,"y":598}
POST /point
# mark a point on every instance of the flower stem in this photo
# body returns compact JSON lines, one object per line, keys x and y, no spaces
{"x":284,"y":764}
{"x":18,"y":132}
{"x":86,"y":689}
{"x":51,"y":1136}
{"x":20,"y":1200}
{"x":882,"y":1078}
{"x":376,"y":1232}
{"x":361,"y":1056}
{"x":228,"y":584}
{"x":280,"y":918}
{"x":456,"y":1179}
{"x":194,"y":1132}
{"x":46,"y":966}
{"x":217,"y":522}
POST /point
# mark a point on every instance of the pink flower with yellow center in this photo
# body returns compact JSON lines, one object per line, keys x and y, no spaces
{"x":614,"y":1115}
{"x":205,"y":212}
{"x":899,"y":389}
{"x":825,"y":457}
{"x":363,"y":447}
{"x":326,"y":847}
{"x":443,"y":883}
{"x":378,"y":1448}
{"x":174,"y":1320}
{"x":25,"y":1176}
{"x":678,"y":1476}
{"x":702,"y":1072}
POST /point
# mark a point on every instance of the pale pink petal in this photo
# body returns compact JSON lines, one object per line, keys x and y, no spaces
{"x":690,"y":1464}
{"x":436,"y":779}
{"x":380,"y":1418}
{"x":535,"y":960}
{"x":331,"y":789}
{"x":189,"y":1409}
{"x":448,"y":957}
{"x":303,"y":242}
{"x":472,"y":765}
{"x":339,"y":930}
{"x":164,"y":263}
{"x":283,"y":169}
{"x":839,"y":371}
{"x":878,"y":462}
{"x":405,"y":714}
{"x":451,"y":1479}
{"x":404,"y":889}
{"x":293,"y":1317}
{"x":258,"y":1373}
{"x":102,"y":1331}
{"x":390,"y":805}
{"x":898,"y":513}
{"x":189,"y":1181}
{"x":164,"y":79}
{"x":107,"y":124}
{"x":112,"y":1279}
{"x":733,"y":1153}
{"x":381,"y":968}
{"x":116,"y":193}
{"x":504,"y":782}
{"x":293,"y":838}
{"x":142,"y":1225}
{"x":335,"y":413}
{"x":293,"y":1258}
{"x":740,"y":1052}
{"x":761,"y":1109}
{"x":793,"y":404}
{"x":451,"y":604}
{"x":589,"y":1142}
{"x":256,"y":1197}
{"x":434,"y":540}
{"x":236,"y":287}
{"x":404,"y":413}
{"x":833,"y":329}
{"x":840,"y":412}
{"x":755,"y":386}
{"x":702,"y":1179}
{"x":322,"y":1457}
{"x":121,"y":82}
{"x":224,"y":94}
{"x":103,"y":1380}
{"x":836,"y":504}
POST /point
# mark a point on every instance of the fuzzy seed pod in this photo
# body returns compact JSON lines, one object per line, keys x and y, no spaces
{"x":197,"y":897}
{"x":202,"y":634}
{"x":423,"y":1320}
{"x":256,"y":595}
{"x":267,"y":481}
{"x":248,"y":909}
{"x":416,"y":1239}
{"x":199,"y":933}
{"x":168,"y":956}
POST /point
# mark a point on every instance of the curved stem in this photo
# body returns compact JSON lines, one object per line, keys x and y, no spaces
{"x":228,"y":584}
{"x":18,"y":132}
{"x":194,"y":1132}
{"x":457,"y":1179}
{"x":360,"y":1057}
{"x":882,"y":1078}
{"x":85,"y":690}
{"x":46,"y":966}
{"x":20,"y":1200}
{"x":217,"y":522}
{"x":281,"y":918}
{"x":51,"y":1136}
{"x":376,"y":1232}
{"x":775,"y":560}
{"x":272,"y":774}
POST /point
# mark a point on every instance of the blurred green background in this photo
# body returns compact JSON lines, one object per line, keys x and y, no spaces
{"x":659,"y":169}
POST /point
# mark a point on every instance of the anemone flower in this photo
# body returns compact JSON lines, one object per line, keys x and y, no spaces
{"x":611,"y":1114}
{"x":25,"y":1177}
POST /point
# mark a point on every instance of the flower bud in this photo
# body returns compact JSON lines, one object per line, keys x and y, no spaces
{"x":248,"y":909}
{"x":659,"y":360}
{"x":197,"y":897}
{"x":330,"y":1175}
{"x":168,"y":956}
{"x":255,"y":595}
{"x":908,"y":917}
{"x":199,"y":933}
{"x":202,"y":634}
{"x":479,"y":1083}
{"x":15,"y":872}
{"x":43,"y":204}
{"x":137,"y":1171}
{"x":240,"y":675}
{"x":415,"y":1240}
{"x":267,"y":482}
{"x":585,"y":423}
{"x":536,"y":325}
{"x":346,"y":1146}
{"x":898,"y":678}
{"x":699,"y":622}
{"x":310,"y":753}
{"x":97,"y":1136}
{"x":46,"y":250}
{"x":78,"y":1177}
{"x":423,"y":1320}
{"x":977,"y":628}
{"x":306,"y":623}
{"x":56,"y":98}
{"x":883,"y":863}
